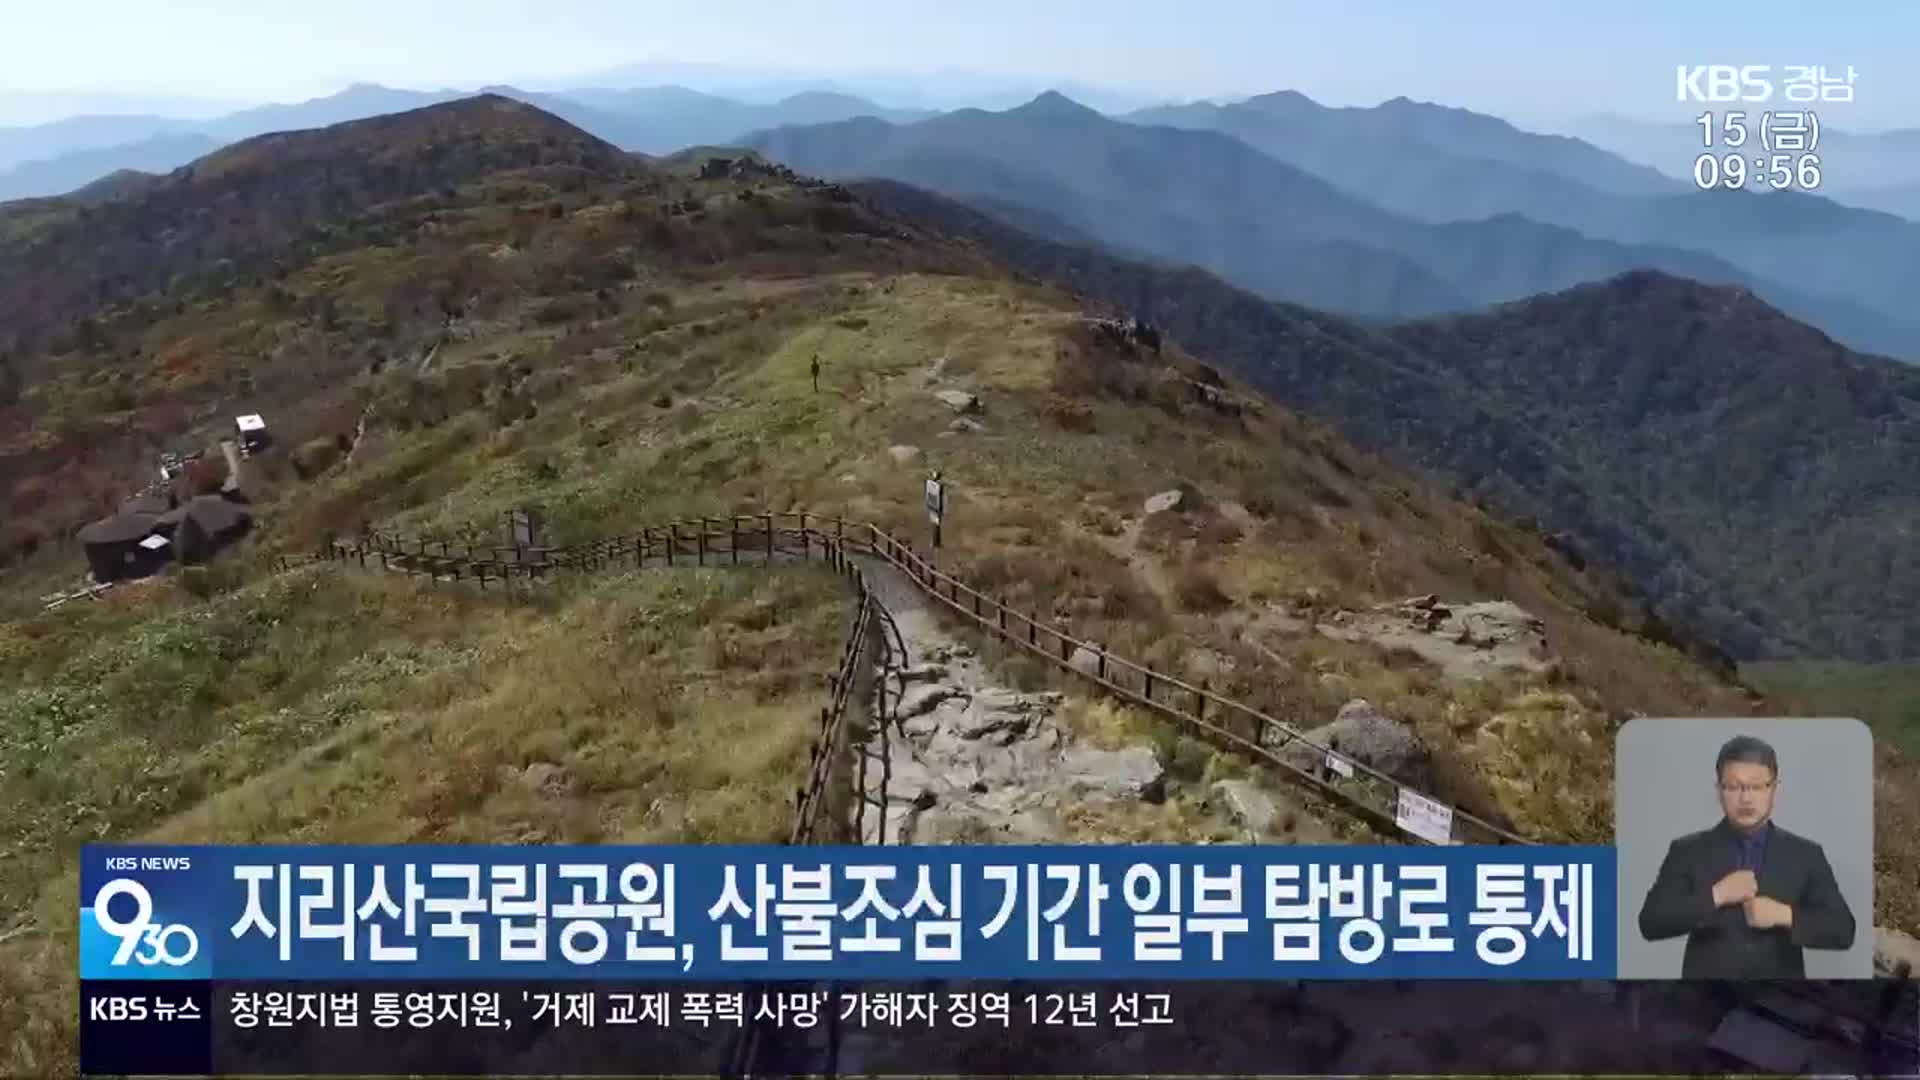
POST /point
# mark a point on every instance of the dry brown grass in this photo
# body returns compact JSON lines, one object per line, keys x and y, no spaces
{"x":330,"y":707}
{"x":1070,"y":415}
{"x":1197,"y":587}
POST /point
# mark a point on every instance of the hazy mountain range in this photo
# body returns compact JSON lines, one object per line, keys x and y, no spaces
{"x":49,"y":159}
{"x":1323,"y":238}
{"x":1436,"y":164}
{"x":1398,"y":210}
{"x":23,"y":108}
{"x":940,"y":90}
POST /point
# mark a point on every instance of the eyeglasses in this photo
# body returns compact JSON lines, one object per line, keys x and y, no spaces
{"x":1746,"y":789}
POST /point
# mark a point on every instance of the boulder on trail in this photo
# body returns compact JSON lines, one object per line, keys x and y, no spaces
{"x":1365,"y":734}
{"x":1130,"y":773}
{"x":921,"y":699}
{"x":1248,"y":806}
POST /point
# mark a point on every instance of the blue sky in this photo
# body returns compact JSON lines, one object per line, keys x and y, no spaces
{"x":1520,"y":58}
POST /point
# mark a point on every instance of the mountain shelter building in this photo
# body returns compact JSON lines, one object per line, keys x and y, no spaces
{"x":114,"y":551}
{"x":203,"y":525}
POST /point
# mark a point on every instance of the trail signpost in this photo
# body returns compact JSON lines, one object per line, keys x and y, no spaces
{"x":936,"y":505}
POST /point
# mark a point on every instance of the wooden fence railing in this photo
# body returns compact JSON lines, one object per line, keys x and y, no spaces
{"x":832,"y":805}
{"x":853,"y":721}
{"x":1368,"y":793}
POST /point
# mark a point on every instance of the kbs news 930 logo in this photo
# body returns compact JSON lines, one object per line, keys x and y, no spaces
{"x":135,"y":918}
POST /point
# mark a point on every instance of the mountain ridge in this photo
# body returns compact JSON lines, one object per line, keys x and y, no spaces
{"x":1194,"y":195}
{"x":54,"y":159}
{"x":1833,"y":263}
{"x":1430,"y":393}
{"x":313,"y":171}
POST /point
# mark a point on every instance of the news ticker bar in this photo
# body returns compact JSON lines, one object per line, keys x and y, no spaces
{"x":772,"y":913}
{"x":569,"y":1027}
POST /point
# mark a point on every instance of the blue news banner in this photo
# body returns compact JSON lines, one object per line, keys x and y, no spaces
{"x":191,"y":957}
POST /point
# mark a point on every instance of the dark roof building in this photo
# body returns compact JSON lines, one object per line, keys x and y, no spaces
{"x":113,"y":547}
{"x":203,"y":525}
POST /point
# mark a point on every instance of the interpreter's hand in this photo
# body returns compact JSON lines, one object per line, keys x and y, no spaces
{"x":1764,"y":913}
{"x":1735,"y":888}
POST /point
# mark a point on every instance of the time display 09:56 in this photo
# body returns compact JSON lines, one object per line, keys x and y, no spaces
{"x":1782,"y":157}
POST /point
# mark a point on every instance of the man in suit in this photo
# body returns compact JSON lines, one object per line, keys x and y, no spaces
{"x":1748,"y":894}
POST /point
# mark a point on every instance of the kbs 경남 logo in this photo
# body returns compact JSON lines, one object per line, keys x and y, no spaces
{"x":124,"y":937}
{"x":1802,"y":84}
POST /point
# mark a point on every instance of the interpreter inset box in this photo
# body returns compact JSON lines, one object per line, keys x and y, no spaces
{"x":1745,"y":848}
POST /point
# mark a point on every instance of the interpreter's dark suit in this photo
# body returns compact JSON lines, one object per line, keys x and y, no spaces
{"x":1720,"y":944}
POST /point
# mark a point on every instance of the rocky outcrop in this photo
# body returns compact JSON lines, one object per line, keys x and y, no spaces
{"x":1463,"y":640}
{"x":971,"y":762}
{"x":1365,"y":734}
{"x":1210,"y":664}
{"x":960,"y":401}
{"x":543,"y":778}
{"x":1250,"y":808}
{"x":1893,"y":950}
{"x":1165,"y":502}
